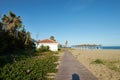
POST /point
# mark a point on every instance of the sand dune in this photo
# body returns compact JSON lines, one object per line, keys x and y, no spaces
{"x":104,"y":71}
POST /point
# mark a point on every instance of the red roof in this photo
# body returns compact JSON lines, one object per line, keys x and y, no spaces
{"x":47,"y":41}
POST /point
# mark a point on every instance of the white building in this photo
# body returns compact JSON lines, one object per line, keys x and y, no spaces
{"x":53,"y":45}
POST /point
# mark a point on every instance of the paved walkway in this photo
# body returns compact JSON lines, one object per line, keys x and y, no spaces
{"x":71,"y":69}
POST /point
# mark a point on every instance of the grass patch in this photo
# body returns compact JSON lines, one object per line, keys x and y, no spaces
{"x":98,"y":61}
{"x":111,"y":64}
{"x":16,"y":56}
{"x":30,"y":68}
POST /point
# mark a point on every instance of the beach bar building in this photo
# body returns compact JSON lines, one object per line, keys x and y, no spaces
{"x":87,"y":46}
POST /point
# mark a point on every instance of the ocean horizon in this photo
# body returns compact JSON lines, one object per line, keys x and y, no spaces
{"x":110,"y":47}
{"x":100,"y":47}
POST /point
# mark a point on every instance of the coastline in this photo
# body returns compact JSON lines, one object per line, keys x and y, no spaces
{"x":101,"y":71}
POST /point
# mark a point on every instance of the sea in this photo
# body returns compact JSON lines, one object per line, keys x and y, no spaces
{"x":110,"y":47}
{"x":102,"y":47}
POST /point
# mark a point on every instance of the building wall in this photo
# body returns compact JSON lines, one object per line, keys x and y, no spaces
{"x":52,"y":46}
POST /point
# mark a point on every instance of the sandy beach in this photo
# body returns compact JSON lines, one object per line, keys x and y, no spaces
{"x":104,"y":64}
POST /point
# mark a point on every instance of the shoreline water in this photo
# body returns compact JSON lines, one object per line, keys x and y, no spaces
{"x":99,"y":48}
{"x":111,"y":47}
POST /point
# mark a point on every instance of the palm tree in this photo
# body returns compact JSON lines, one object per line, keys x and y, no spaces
{"x":11,"y":23}
{"x":27,"y":38}
{"x":66,"y":43}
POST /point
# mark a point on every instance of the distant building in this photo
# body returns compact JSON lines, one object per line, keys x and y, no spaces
{"x":87,"y":46}
{"x":53,"y":45}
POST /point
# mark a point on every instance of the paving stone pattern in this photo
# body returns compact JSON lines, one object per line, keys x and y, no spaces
{"x":71,"y":69}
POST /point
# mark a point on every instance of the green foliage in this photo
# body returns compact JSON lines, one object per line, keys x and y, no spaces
{"x":98,"y":61}
{"x":113,"y":65}
{"x":13,"y":36}
{"x":16,"y":56}
{"x":52,"y":38}
{"x":35,"y":68}
{"x":43,"y":48}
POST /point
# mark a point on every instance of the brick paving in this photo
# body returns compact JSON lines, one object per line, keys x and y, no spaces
{"x":71,"y":69}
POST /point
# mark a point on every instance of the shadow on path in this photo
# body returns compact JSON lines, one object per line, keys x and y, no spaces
{"x":75,"y":76}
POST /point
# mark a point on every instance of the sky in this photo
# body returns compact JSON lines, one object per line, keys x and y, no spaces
{"x":77,"y":21}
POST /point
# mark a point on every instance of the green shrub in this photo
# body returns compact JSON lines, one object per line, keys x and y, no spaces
{"x":98,"y":61}
{"x":113,"y":65}
{"x":33,"y":68}
{"x":43,"y":48}
{"x":16,"y":56}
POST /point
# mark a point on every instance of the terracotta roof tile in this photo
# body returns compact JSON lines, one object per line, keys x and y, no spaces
{"x":46,"y":41}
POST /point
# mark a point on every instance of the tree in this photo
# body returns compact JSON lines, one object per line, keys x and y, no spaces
{"x":52,"y":38}
{"x":28,"y":40}
{"x":66,"y":43}
{"x":13,"y":36}
{"x":11,"y":23}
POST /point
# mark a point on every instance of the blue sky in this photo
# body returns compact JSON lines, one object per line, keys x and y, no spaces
{"x":78,"y":21}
